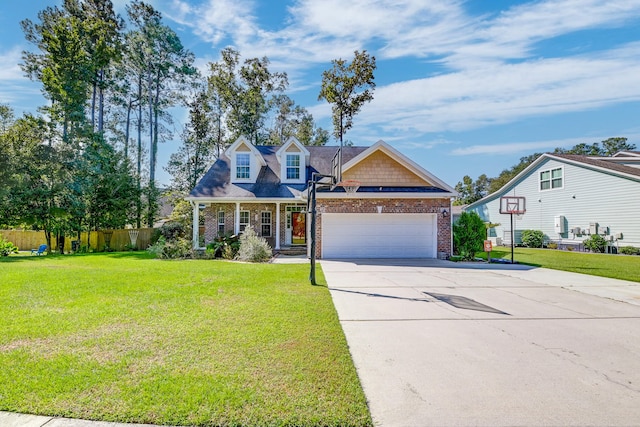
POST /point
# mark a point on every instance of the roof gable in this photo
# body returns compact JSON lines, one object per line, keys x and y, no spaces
{"x":292,"y":146}
{"x":243,"y":145}
{"x":383,"y":165}
{"x":627,"y":154}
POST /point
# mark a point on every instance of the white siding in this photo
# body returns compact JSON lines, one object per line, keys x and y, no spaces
{"x":587,"y":196}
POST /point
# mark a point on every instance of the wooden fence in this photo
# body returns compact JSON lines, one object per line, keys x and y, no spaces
{"x":26,"y":240}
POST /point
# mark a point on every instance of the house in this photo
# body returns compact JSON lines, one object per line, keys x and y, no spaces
{"x":570,"y":197}
{"x":399,"y":210}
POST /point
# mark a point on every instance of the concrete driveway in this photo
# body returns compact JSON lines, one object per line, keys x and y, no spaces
{"x":444,"y":344}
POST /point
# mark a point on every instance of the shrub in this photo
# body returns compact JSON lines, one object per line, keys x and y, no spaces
{"x":171,"y":249}
{"x":595,"y":243}
{"x":469,"y":234}
{"x":173,"y":230}
{"x":253,"y":248}
{"x":225,"y":246}
{"x":552,"y":246}
{"x":532,"y":238}
{"x":629,"y":250}
{"x":6,"y":247}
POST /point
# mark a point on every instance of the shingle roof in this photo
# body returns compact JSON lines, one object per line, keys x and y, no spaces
{"x":594,"y":161}
{"x":216,"y":182}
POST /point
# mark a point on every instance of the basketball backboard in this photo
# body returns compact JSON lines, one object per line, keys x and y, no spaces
{"x":512,"y":205}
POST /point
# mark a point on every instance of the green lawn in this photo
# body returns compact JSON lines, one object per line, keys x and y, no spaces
{"x":123,"y":337}
{"x":606,"y":265}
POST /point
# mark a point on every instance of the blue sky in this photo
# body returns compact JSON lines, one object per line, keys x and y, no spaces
{"x":463,"y":87}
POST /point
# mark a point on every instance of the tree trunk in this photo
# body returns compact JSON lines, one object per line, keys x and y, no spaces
{"x":126,"y":130}
{"x":60,"y":242}
{"x":47,"y":235}
{"x":139,"y":177}
{"x":93,"y":106}
{"x":101,"y":102}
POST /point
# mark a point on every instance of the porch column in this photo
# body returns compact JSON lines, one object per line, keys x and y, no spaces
{"x":236,"y":225}
{"x":196,"y":224}
{"x":277,"y":225}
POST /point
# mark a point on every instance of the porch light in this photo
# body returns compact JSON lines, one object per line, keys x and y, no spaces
{"x":445,"y":212}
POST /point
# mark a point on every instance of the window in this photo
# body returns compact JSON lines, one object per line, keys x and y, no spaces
{"x":243,"y":166}
{"x":244,"y":220}
{"x":293,"y":166}
{"x":220,"y":222}
{"x":265,"y":228}
{"x":551,"y":179}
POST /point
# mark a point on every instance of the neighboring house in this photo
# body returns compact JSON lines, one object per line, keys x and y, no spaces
{"x":569,"y":197}
{"x":400,"y":210}
{"x":456,"y":211}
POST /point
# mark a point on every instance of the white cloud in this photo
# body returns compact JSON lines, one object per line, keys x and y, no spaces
{"x":516,"y":147}
{"x":11,"y":69}
{"x":505,"y":93}
{"x":485,"y":87}
{"x":532,"y":146}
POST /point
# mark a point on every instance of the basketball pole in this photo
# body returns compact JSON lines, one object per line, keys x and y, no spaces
{"x":513,"y":238}
{"x":312,"y":199}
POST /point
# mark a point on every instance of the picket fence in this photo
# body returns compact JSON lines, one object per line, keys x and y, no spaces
{"x":26,"y":240}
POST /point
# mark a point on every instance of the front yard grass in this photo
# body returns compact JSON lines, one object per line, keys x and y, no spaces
{"x":625,"y":267}
{"x":123,"y":337}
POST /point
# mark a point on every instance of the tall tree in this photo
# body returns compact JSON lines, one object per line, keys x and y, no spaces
{"x":293,"y":120}
{"x":102,"y":42}
{"x":611,"y":146}
{"x":7,"y":117}
{"x":243,"y":94}
{"x":40,"y":179}
{"x":167,"y":72}
{"x":348,"y":86}
{"x":62,"y":65}
{"x":196,"y":153}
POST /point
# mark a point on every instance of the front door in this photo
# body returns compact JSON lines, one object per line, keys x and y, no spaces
{"x":295,"y":227}
{"x":299,"y":228}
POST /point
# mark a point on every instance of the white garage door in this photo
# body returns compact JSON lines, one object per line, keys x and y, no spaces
{"x":379,"y":235}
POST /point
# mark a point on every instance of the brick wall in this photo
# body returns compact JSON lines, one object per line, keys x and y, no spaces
{"x":255,"y":219}
{"x":390,"y":206}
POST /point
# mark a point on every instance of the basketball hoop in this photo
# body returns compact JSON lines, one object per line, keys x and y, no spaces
{"x":350,"y":185}
{"x":514,"y":205}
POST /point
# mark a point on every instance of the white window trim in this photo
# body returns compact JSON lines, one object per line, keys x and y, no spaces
{"x":236,"y":166}
{"x":262,"y":223}
{"x":551,"y":188}
{"x":247,"y":224}
{"x":223,"y":223}
{"x":287,"y":167}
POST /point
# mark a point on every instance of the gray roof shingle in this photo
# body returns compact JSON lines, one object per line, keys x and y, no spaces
{"x":216,"y":182}
{"x":594,"y":161}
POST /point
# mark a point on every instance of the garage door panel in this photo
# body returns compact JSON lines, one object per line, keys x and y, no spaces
{"x":378,"y":235}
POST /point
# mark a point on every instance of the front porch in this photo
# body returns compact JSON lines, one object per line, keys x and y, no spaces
{"x":282,"y":224}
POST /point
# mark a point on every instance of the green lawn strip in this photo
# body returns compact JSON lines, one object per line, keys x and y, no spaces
{"x":123,"y":337}
{"x":625,"y":267}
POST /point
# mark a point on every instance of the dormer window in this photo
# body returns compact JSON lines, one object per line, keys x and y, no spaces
{"x":293,"y":166}
{"x":294,"y":159}
{"x":243,"y":166}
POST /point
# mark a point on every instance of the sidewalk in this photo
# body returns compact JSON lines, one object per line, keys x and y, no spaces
{"x":9,"y":419}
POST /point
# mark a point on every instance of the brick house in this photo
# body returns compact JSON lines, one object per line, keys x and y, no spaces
{"x":400,"y":210}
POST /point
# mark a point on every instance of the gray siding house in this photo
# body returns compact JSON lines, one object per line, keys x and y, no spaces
{"x":570,"y":197}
